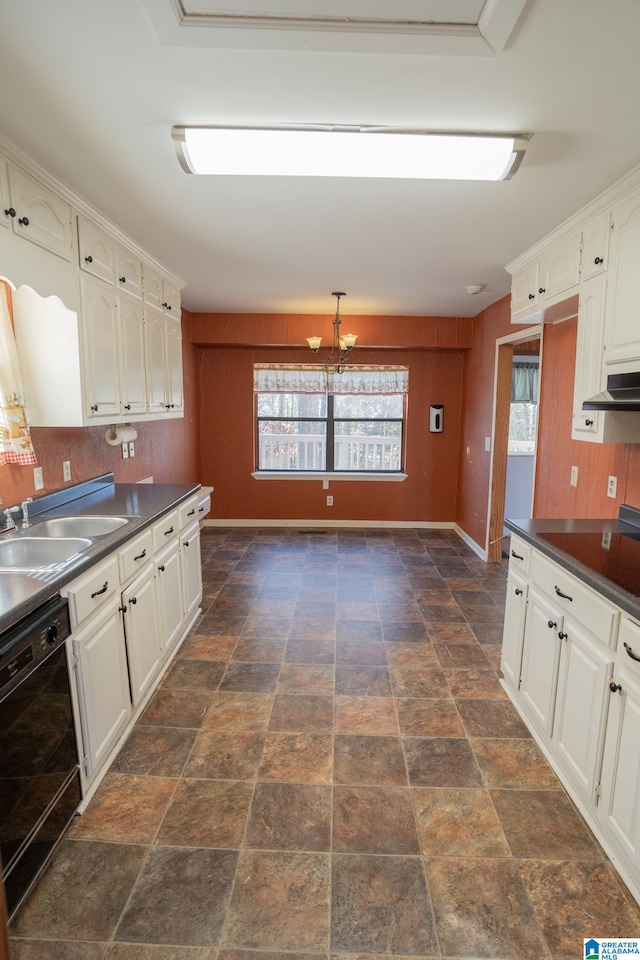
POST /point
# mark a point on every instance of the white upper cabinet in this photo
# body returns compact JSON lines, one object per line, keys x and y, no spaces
{"x":173,"y":366}
{"x":101,"y":361}
{"x":96,"y":250}
{"x":5,"y":215}
{"x":595,"y":246}
{"x":560,"y":268}
{"x":153,"y":288}
{"x":622,"y":341}
{"x":540,"y":285}
{"x":133,"y":380}
{"x":38,"y":214}
{"x":587,"y":424}
{"x":524,"y":290}
{"x":128,"y":272}
{"x":171,"y":299}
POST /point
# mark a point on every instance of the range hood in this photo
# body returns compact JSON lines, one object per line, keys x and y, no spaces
{"x":622,"y":393}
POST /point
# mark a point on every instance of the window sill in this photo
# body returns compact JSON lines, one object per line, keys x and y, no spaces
{"x":326,"y":475}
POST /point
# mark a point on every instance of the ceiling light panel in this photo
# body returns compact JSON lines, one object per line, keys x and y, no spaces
{"x":366,"y":152}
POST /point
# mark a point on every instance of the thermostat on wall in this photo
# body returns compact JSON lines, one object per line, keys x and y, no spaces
{"x":436,"y":418}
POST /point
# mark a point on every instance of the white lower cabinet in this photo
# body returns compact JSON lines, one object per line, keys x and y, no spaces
{"x":104,"y":699}
{"x":128,"y":614}
{"x":570,"y":667}
{"x":141,"y":631}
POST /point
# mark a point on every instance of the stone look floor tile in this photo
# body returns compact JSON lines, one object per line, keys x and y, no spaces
{"x":369,"y":760}
{"x":302,"y":714}
{"x":307,"y":678}
{"x":126,"y":809}
{"x":474,"y":684}
{"x":181,"y":896}
{"x":374,"y":820}
{"x":290,"y":816}
{"x":441,"y":762}
{"x":155,"y":751}
{"x":482,"y":910}
{"x":235,"y":712}
{"x":366,"y":715}
{"x":381,"y":905}
{"x":362,"y":680}
{"x":176,"y":708}
{"x":544,"y":824}
{"x":219,"y":756}
{"x":513,"y":763}
{"x":206,"y":813}
{"x":458,"y":822}
{"x":58,"y":950}
{"x":280,"y":902}
{"x":428,"y":718}
{"x":306,"y":757}
{"x":491,"y":718}
{"x":250,"y":677}
{"x":418,"y":680}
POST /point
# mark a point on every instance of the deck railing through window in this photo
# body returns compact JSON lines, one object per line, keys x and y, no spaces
{"x":278,"y":452}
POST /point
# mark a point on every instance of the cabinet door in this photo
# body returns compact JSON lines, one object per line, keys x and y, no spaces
{"x":540,"y":661}
{"x":623,"y":306}
{"x":171,"y":299}
{"x":41,"y":216}
{"x":173,"y":357}
{"x":169,"y":596}
{"x":191,"y":571}
{"x":100,"y":330}
{"x":103,"y":687}
{"x":589,"y":359}
{"x":560,"y":268}
{"x":96,"y":251}
{"x":595,"y":246}
{"x":581,"y":703}
{"x":619,"y":807}
{"x":128,"y":273}
{"x":513,"y":636}
{"x":5,"y":214}
{"x":524,"y":289}
{"x":142,"y":634}
{"x":155,"y":350}
{"x":133,"y":380}
{"x":152,"y":287}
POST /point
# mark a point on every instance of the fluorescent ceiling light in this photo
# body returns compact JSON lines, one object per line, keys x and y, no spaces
{"x":333,"y":151}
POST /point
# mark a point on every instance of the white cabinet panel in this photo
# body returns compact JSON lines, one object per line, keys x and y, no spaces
{"x":133,"y":378}
{"x":128,"y":272}
{"x":191,"y":571}
{"x":560,"y":268}
{"x":623,"y":305}
{"x":514,"y":621}
{"x":595,"y":246}
{"x":589,"y":360}
{"x":101,"y":361}
{"x":173,"y":358}
{"x":142,"y":634}
{"x":152,"y":286}
{"x":524,"y":289}
{"x":40,"y":216}
{"x":96,"y":251}
{"x":540,"y":660}
{"x":168,"y":579}
{"x":155,"y":354}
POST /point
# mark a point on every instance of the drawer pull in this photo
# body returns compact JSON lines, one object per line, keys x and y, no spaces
{"x":200,"y":509}
{"x":565,"y":596}
{"x":518,"y":592}
{"x":104,"y":590}
{"x":552,"y":624}
{"x":167,"y":532}
{"x":141,"y":555}
{"x":630,"y":652}
{"x":516,"y":555}
{"x":191,"y":512}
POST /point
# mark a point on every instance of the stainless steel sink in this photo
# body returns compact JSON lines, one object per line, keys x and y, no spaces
{"x":33,"y":553}
{"x":78,"y":526}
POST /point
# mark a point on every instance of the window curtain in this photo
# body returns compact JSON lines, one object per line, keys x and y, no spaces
{"x":15,"y":438}
{"x":312,"y":378}
{"x":524,"y":382}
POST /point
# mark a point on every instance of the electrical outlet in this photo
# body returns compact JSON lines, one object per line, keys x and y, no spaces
{"x":574,"y":477}
{"x":612,"y":486}
{"x":329,"y":501}
{"x":132,"y":449}
{"x":66,"y":470}
{"x":125,"y":450}
{"x":487,"y":444}
{"x":38,"y":479}
{"x":606,"y":540}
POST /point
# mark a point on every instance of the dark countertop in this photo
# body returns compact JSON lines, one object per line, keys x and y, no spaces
{"x":21,"y":593}
{"x":530,"y":530}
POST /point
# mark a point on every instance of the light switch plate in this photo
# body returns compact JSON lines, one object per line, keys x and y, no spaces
{"x":132,"y":449}
{"x":574,"y":477}
{"x":125,"y":450}
{"x":38,"y":479}
{"x":66,"y":470}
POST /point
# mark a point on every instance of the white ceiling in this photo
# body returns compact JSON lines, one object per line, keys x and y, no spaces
{"x":92,"y":89}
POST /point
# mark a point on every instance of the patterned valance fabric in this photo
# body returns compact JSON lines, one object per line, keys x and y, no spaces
{"x":15,"y":439}
{"x":312,"y":378}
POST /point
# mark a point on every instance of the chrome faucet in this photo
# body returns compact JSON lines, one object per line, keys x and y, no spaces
{"x":25,"y":512}
{"x":10,"y":523}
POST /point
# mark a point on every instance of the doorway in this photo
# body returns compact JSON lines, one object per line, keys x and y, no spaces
{"x":521,"y":344}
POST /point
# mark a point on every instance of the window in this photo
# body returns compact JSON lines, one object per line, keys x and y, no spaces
{"x":310,"y":422}
{"x":523,"y":418}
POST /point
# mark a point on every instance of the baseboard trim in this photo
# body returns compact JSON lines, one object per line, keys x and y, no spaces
{"x":370,"y":524}
{"x":470,"y":543}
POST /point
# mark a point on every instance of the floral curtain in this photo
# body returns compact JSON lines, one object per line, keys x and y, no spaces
{"x":15,"y":439}
{"x":312,"y":378}
{"x":524,"y":382}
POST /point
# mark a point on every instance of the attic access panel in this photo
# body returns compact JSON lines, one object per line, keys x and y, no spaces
{"x":456,"y":27}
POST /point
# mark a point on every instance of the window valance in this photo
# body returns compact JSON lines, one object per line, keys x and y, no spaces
{"x":356,"y":380}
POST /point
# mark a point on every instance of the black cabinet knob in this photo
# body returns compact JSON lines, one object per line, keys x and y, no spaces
{"x":133,"y":600}
{"x":532,"y":296}
{"x":552,"y":624}
{"x":10,"y":212}
{"x":166,"y":305}
{"x":598,"y":260}
{"x":562,"y":635}
{"x":122,"y":279}
{"x":588,"y":423}
{"x":127,"y":406}
{"x":161,"y":568}
{"x":518,"y":592}
{"x":23,"y":221}
{"x":615,"y":687}
{"x":542,"y":290}
{"x":94,"y":407}
{"x":88,"y":259}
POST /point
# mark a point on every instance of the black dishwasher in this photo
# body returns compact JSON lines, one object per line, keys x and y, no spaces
{"x":39,"y":773}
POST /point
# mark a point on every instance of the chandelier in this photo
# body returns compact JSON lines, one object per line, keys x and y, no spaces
{"x":342,"y":344}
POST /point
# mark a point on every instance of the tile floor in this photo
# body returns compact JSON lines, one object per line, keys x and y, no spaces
{"x":330,"y":769}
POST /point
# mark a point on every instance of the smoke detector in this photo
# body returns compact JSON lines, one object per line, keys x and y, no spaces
{"x":475,"y":288}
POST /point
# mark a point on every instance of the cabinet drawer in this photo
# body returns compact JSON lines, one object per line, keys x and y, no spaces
{"x":519,"y":555}
{"x":629,"y":644}
{"x":135,"y":554}
{"x":575,"y":599}
{"x":88,"y":593}
{"x":204,"y":506}
{"x":188,"y":511}
{"x":164,"y":530}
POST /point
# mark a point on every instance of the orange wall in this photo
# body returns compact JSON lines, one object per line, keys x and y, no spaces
{"x":475,"y":461}
{"x":167,"y":451}
{"x":227,"y":444}
{"x":557,"y":452}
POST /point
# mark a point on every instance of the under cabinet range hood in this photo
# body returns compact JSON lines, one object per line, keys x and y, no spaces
{"x":622,"y":393}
